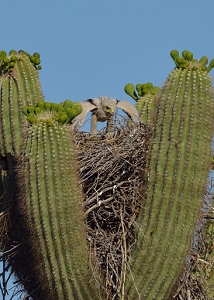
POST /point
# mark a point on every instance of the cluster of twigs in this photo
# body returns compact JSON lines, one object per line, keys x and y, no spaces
{"x":112,"y":171}
{"x":10,"y":288}
{"x":191,"y":285}
{"x":13,"y":253}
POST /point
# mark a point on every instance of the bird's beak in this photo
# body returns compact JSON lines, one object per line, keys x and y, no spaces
{"x":112,"y":111}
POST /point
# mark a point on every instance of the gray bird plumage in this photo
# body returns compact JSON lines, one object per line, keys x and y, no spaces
{"x":102,"y":109}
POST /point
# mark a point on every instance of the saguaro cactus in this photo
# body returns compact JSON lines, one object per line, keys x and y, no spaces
{"x":41,"y":199}
{"x":177,"y":171}
{"x":19,"y":86}
{"x":50,"y":210}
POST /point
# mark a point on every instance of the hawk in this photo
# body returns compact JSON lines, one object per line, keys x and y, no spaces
{"x":102,"y":109}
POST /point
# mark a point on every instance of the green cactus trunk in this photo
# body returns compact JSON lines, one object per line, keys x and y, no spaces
{"x":19,"y":86}
{"x":177,"y":173}
{"x":50,"y":207}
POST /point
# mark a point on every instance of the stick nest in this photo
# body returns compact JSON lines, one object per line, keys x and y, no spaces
{"x":112,"y":172}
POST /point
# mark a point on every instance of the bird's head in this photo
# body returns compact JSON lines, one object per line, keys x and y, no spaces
{"x":108,"y":104}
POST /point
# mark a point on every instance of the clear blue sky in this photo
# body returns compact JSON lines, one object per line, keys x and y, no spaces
{"x":94,"y":47}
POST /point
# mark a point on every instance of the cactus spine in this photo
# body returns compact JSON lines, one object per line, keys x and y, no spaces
{"x":51,"y":212}
{"x":178,"y":168}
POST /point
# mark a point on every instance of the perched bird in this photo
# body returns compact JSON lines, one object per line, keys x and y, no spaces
{"x":102,"y":109}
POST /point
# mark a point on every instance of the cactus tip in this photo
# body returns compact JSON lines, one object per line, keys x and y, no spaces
{"x":62,"y":113}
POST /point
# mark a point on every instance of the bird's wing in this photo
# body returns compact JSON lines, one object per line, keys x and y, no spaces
{"x":95,"y":101}
{"x":129,"y":109}
{"x":79,"y":120}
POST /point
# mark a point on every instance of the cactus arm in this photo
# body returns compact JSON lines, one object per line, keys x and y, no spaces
{"x":19,"y":86}
{"x":178,"y":169}
{"x":52,"y":212}
{"x":14,"y":94}
{"x":145,"y":103}
{"x":31,"y":80}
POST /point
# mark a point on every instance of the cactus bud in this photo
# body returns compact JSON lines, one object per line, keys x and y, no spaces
{"x":48,"y":105}
{"x":3,"y":54}
{"x":31,"y":118}
{"x":13,"y":58}
{"x":63,"y":118}
{"x":13,"y":52}
{"x":41,"y":103}
{"x":68,"y":103}
{"x":185,"y":54}
{"x":211,"y":65}
{"x":203,"y":60}
{"x":174,"y":54}
{"x":130,"y":90}
{"x":78,"y":107}
{"x":36,"y":54}
{"x":6,"y":60}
